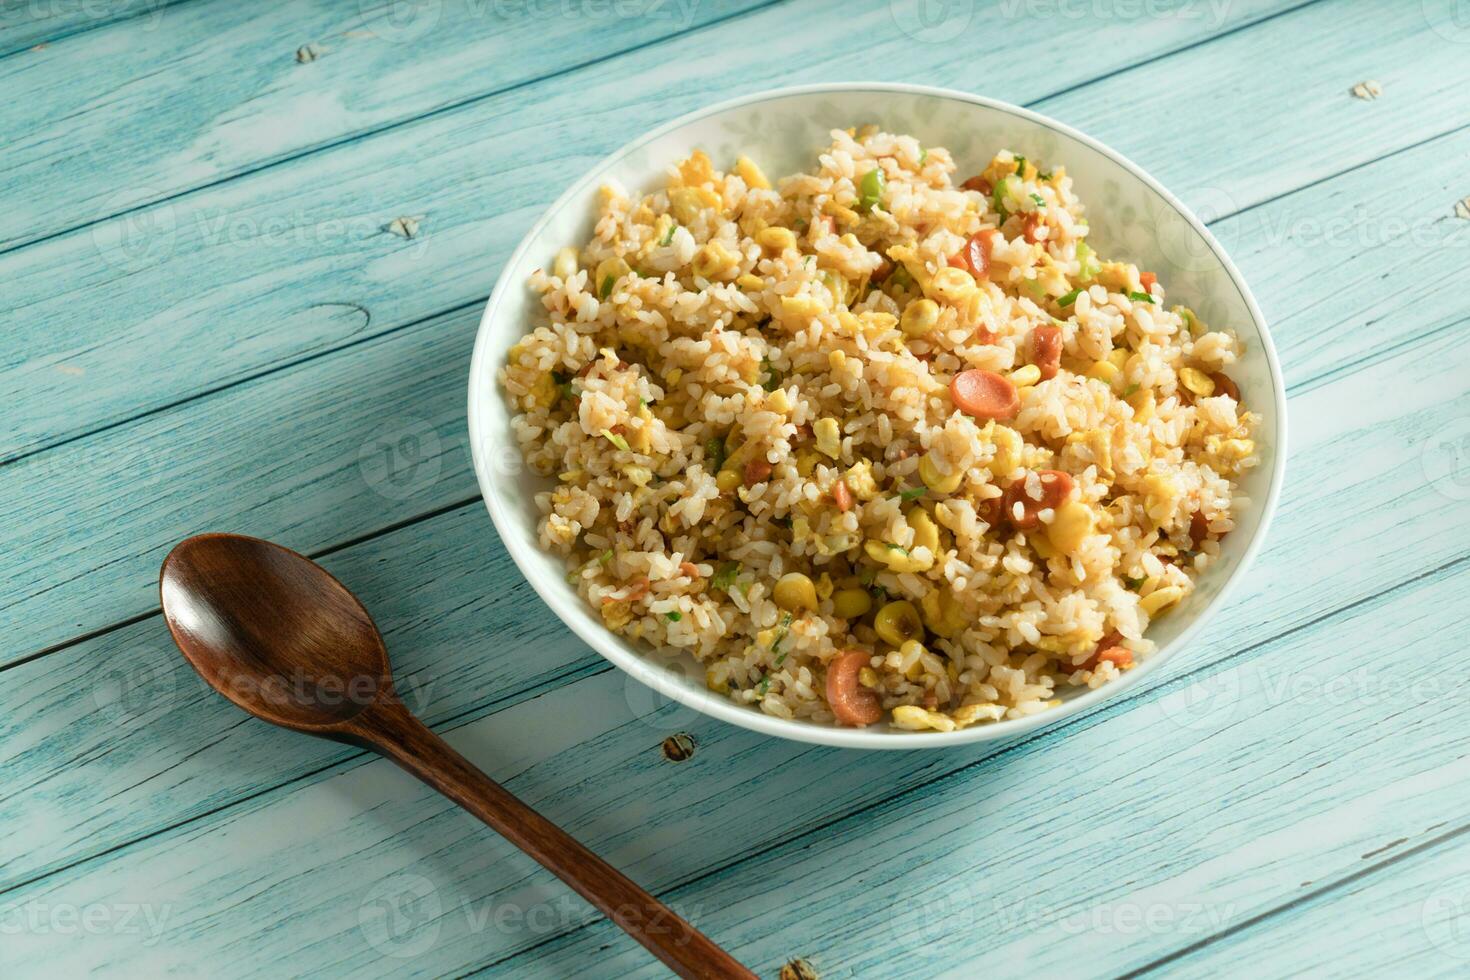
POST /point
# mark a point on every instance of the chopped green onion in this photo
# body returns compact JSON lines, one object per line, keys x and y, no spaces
{"x":866,"y":577}
{"x":770,"y":377}
{"x":1021,"y":167}
{"x":1134,"y":583}
{"x":782,"y":631}
{"x":870,"y":189}
{"x":912,"y":493}
{"x":616,"y":439}
{"x":1070,"y":298}
{"x":1004,"y":188}
{"x":1087,"y":264}
{"x":572,"y":576}
{"x":1128,"y":392}
{"x":605,"y":290}
{"x":714,"y":451}
{"x":901,"y":551}
{"x":673,"y":617}
{"x":605,"y":557}
{"x":1141,"y":297}
{"x":669,"y":235}
{"x":923,"y":155}
{"x":724,"y":576}
{"x":1040,"y":201}
{"x":763,"y":687}
{"x":1043,"y":176}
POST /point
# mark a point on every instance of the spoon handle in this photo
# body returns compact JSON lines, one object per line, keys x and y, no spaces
{"x":391,"y":730}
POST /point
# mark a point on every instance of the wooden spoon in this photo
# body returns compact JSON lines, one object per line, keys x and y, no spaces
{"x":280,"y":637}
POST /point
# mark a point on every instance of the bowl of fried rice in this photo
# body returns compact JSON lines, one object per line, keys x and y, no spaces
{"x":876,"y":415}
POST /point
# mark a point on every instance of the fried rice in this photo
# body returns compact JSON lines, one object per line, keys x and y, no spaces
{"x":873,"y":445}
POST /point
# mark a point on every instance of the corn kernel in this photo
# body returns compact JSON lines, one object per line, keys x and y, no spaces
{"x":1025,"y":377}
{"x":1197,"y":381}
{"x":728,"y":480}
{"x":1071,"y":526}
{"x":919,"y":317}
{"x":751,"y":174}
{"x":868,"y":677}
{"x":1007,"y":451}
{"x":1105,"y":371}
{"x":950,"y":285}
{"x":936,"y":481}
{"x":1157,"y":601}
{"x":897,"y":623}
{"x":794,"y":592}
{"x":851,"y":603}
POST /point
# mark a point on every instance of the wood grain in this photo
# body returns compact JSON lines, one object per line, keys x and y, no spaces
{"x":310,"y":454}
{"x":105,"y":336}
{"x":234,"y":91}
{"x":1265,"y":819}
{"x":129,"y":783}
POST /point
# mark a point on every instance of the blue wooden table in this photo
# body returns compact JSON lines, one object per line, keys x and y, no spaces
{"x":212,"y":317}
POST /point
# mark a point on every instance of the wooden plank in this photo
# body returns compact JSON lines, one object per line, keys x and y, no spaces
{"x":103,"y":332}
{"x":230,"y":90}
{"x":1207,"y":148}
{"x":1244,"y":829}
{"x":1404,"y":917}
{"x":314,"y":456}
{"x":1096,"y":854}
{"x":27,"y":23}
{"x":67,"y":582}
{"x":123,"y":782}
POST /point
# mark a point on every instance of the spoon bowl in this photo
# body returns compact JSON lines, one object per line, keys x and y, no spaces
{"x":274,"y":632}
{"x":281,"y":638}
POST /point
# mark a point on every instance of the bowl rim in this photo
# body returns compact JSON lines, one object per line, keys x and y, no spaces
{"x":648,"y":673}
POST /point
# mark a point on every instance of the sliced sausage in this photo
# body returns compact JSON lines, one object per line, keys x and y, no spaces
{"x":978,"y":183}
{"x":842,"y":496}
{"x":1046,"y":350}
{"x":757,"y":471}
{"x":1056,"y":487}
{"x":852,"y":703}
{"x":985,"y":394}
{"x":974,"y":255}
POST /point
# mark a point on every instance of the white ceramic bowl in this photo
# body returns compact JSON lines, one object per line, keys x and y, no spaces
{"x":1131,"y":218}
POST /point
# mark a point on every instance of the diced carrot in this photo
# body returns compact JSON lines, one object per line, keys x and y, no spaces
{"x":977,"y":183}
{"x":1148,"y":279}
{"x":985,"y":394}
{"x":842,"y":496}
{"x":852,"y":703}
{"x":689,"y":568}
